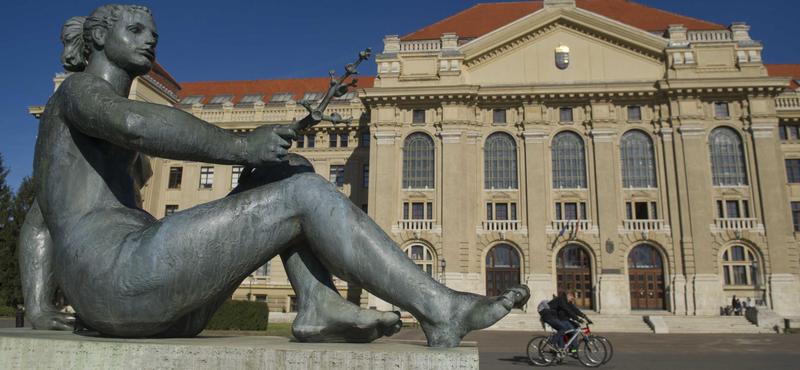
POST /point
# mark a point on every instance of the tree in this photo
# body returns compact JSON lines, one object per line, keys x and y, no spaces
{"x":8,"y":258}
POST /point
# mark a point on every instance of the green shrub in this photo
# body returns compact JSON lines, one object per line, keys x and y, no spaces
{"x":7,"y":311}
{"x":240,"y":315}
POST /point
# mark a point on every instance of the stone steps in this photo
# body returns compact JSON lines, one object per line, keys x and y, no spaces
{"x":602,"y":323}
{"x":711,"y":325}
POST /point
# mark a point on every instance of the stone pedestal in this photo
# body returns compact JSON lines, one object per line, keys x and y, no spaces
{"x":615,"y":294}
{"x":677,"y":295}
{"x":707,"y":294}
{"x":785,"y":294}
{"x":32,"y":349}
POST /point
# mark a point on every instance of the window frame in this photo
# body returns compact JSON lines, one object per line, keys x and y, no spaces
{"x":206,"y":177}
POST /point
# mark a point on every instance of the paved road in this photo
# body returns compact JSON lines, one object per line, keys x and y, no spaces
{"x":506,"y":350}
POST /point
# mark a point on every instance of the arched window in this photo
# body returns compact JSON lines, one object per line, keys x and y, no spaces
{"x":638,"y":163}
{"x":422,"y":257}
{"x":740,"y":266}
{"x":569,"y":162}
{"x":644,"y":257}
{"x":418,"y":162}
{"x":727,"y":158}
{"x":500,"y":162}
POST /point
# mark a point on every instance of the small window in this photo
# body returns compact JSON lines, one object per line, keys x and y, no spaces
{"x":301,"y":141}
{"x":192,"y":99}
{"x":312,"y":96}
{"x":311,"y":140}
{"x":721,"y":110}
{"x":499,"y":116}
{"x":250,"y":99}
{"x":206,"y":177}
{"x":418,"y":211}
{"x":570,"y":211}
{"x":236,"y":172}
{"x":793,"y":171}
{"x":565,"y":114}
{"x":344,"y":139}
{"x":363,"y":140}
{"x":346,"y":97}
{"x":175,"y":177}
{"x":332,"y":140}
{"x":280,"y":97}
{"x":220,"y":99}
{"x":170,"y":209}
{"x":418,"y":116}
{"x":634,"y":113}
{"x":782,"y":132}
{"x":337,"y":175}
{"x":365,"y":176}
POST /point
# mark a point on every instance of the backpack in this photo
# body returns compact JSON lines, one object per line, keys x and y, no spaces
{"x":543,"y":305}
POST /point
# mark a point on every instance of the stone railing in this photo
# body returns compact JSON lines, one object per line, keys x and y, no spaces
{"x":736,"y":223}
{"x":415,"y":225}
{"x":787,"y":103}
{"x":710,"y":36}
{"x":570,"y":225}
{"x":506,"y":225}
{"x":643,"y":225}
{"x":262,"y":113}
{"x":420,"y":45}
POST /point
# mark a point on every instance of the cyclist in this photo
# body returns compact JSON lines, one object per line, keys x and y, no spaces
{"x":558,"y":312}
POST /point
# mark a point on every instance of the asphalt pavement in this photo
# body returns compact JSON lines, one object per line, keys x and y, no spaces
{"x":506,"y":350}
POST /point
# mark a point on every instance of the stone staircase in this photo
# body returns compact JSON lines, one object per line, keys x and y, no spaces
{"x":602,"y":323}
{"x":710,"y":325}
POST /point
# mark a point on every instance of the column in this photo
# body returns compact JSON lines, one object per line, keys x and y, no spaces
{"x":540,"y":278}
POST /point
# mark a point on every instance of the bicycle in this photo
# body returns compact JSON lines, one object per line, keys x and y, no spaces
{"x":592,"y":350}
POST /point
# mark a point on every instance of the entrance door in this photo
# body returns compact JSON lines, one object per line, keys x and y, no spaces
{"x":646,"y":274}
{"x":502,"y":269}
{"x":574,"y":274}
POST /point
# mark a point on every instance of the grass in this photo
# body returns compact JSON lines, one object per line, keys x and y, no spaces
{"x":278,"y":329}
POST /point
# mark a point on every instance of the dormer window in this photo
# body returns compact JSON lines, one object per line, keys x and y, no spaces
{"x":347,"y":97}
{"x":312,"y":96}
{"x":220,"y":99}
{"x":192,"y":99}
{"x":280,"y":97}
{"x":251,"y":99}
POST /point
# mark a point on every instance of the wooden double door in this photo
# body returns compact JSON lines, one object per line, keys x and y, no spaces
{"x":502,"y":269}
{"x":574,"y":274}
{"x":646,"y":276}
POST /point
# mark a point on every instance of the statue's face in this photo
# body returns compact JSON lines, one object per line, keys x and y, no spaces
{"x":131,"y":42}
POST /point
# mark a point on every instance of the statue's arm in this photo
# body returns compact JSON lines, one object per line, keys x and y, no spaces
{"x":92,"y":107}
{"x":36,"y":270}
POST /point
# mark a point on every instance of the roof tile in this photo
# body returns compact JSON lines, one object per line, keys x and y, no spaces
{"x":786,"y":70}
{"x":297,"y":86}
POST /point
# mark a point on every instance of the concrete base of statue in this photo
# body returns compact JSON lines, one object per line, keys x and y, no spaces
{"x":33,"y":349}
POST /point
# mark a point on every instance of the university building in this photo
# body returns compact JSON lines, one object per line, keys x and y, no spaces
{"x":642,"y":159}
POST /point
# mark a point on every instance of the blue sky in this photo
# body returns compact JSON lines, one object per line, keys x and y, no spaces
{"x":237,"y":40}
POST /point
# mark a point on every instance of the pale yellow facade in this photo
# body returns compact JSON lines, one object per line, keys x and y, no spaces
{"x":453,"y":89}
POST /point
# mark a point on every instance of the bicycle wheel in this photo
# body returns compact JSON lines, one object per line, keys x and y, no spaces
{"x":592,"y":352}
{"x":609,"y":347}
{"x":549,"y":353}
{"x":534,"y":347}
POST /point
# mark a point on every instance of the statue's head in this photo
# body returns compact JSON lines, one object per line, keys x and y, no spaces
{"x":125,"y":34}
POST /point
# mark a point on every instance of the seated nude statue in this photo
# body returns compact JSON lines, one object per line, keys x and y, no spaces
{"x":128,"y":274}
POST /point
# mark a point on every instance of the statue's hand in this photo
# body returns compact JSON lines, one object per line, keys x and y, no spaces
{"x":51,"y":320}
{"x":269,"y":144}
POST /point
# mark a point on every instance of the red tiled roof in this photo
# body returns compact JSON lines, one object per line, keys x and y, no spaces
{"x":297,"y":86}
{"x":785,"y":70}
{"x":484,"y":18}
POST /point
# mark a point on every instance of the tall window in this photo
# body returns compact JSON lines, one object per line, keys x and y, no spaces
{"x":500,"y":162}
{"x":569,"y":162}
{"x":175,"y":177}
{"x":422,"y":257}
{"x":793,"y":170}
{"x":418,"y":162}
{"x":332,"y":139}
{"x":728,"y":167}
{"x":796,"y":215}
{"x":363,"y":140}
{"x":311,"y":140}
{"x":740,"y":266}
{"x":337,"y":175}
{"x":638,"y":163}
{"x":343,"y":139}
{"x":301,"y":141}
{"x":365,"y":176}
{"x":206,"y":177}
{"x":236,"y":172}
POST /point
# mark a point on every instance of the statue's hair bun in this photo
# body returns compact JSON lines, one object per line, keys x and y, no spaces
{"x":73,"y":58}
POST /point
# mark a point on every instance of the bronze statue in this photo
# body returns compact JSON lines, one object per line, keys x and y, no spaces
{"x":128,"y":274}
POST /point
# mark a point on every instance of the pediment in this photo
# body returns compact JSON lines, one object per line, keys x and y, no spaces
{"x":545,"y":21}
{"x":601,"y":50}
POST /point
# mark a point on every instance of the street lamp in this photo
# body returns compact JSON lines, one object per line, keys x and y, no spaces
{"x":443,"y":266}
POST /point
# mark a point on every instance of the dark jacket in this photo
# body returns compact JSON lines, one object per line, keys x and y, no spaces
{"x":561,"y":309}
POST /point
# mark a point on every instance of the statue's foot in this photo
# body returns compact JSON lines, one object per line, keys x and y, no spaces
{"x":342,"y":321}
{"x":470,"y":312}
